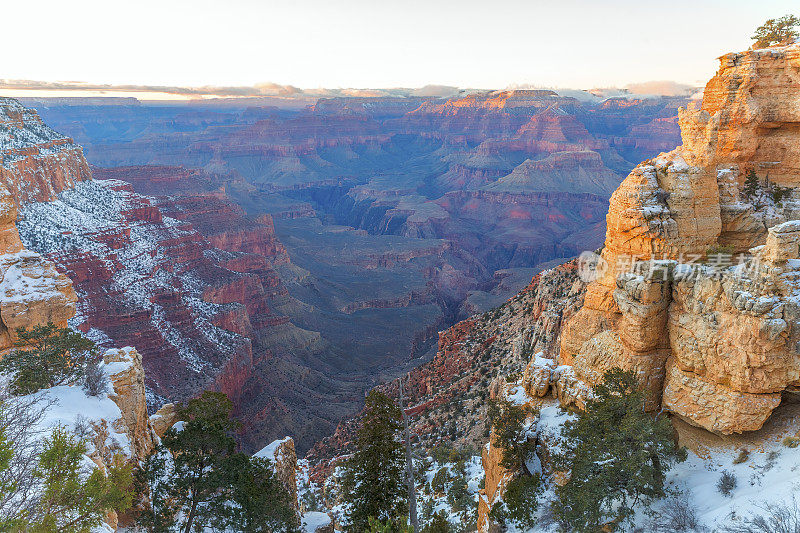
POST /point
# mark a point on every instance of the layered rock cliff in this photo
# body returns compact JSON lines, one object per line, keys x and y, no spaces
{"x":707,"y":321}
{"x":37,"y":164}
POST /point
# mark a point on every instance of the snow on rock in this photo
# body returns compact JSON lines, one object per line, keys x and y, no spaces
{"x":123,"y":255}
{"x":33,"y":292}
{"x":315,"y":520}
{"x":36,"y":162}
{"x":282,"y":455}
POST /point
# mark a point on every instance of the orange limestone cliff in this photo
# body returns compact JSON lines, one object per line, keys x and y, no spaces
{"x":697,"y":286}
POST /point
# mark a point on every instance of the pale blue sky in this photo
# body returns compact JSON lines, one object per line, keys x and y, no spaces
{"x":374,"y":43}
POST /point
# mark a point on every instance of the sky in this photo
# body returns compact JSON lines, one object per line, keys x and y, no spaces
{"x":312,"y":44}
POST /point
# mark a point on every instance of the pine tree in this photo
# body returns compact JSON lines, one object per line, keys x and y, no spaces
{"x":751,"y":185}
{"x":510,"y":433}
{"x":196,"y":481}
{"x":375,"y":471}
{"x":261,"y":503}
{"x":777,"y":31}
{"x":46,"y":356}
{"x":438,"y":524}
{"x":617,"y":455}
{"x":69,"y":502}
{"x":198,"y":450}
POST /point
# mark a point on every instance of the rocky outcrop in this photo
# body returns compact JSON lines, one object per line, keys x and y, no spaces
{"x":36,"y":162}
{"x":669,"y":302}
{"x":281,"y":454}
{"x":496,"y":478}
{"x":124,"y":367}
{"x":32,"y":292}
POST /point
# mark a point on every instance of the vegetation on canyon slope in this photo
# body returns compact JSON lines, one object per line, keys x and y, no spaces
{"x":195,"y":479}
{"x":617,"y":455}
{"x":45,"y":487}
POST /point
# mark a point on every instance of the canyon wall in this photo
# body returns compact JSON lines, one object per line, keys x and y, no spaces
{"x":696,"y":293}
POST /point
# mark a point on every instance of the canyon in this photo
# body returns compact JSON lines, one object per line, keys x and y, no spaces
{"x":296,"y":258}
{"x":694,"y":291}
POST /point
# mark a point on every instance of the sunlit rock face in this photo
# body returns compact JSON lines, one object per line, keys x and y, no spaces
{"x":715,"y":344}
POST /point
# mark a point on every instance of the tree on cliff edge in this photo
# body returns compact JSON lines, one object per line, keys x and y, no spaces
{"x":374,"y":478}
{"x":617,"y":456}
{"x":781,"y":31}
{"x":195,"y":480}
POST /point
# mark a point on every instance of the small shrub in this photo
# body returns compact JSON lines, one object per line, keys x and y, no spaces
{"x":725,"y":250}
{"x":677,"y":514}
{"x":94,"y":379}
{"x":438,"y":524}
{"x":440,"y":480}
{"x":744,"y":454}
{"x":726,"y":483}
{"x":781,"y":517}
{"x":520,"y":502}
{"x":791,"y":442}
{"x":772,"y":457}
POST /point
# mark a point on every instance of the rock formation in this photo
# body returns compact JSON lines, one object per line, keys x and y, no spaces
{"x":712,"y":334}
{"x":281,"y":454}
{"x":36,"y":162}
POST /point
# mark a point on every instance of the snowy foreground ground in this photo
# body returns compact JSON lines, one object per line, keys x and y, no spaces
{"x":769,"y":474}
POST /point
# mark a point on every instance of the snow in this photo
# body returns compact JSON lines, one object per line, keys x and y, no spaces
{"x":21,"y":129}
{"x":771,"y":474}
{"x":72,"y":223}
{"x":518,"y":396}
{"x":759,"y":480}
{"x":22,"y":279}
{"x":268,"y":451}
{"x":314,"y":520}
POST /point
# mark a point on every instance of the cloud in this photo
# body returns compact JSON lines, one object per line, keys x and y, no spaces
{"x":290,"y":92}
{"x":661,"y":88}
{"x":441,"y":91}
{"x":263,"y":89}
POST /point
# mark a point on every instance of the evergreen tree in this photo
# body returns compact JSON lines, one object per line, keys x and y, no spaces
{"x":617,"y":455}
{"x":375,"y":471}
{"x":70,"y":503}
{"x":262,"y":503}
{"x":751,"y":185}
{"x":389,"y":526}
{"x":777,"y":31}
{"x":509,"y":429}
{"x":196,"y":481}
{"x":438,"y":524}
{"x":458,"y":495}
{"x":198,"y":450}
{"x":520,"y":502}
{"x":159,"y":506}
{"x":46,"y":356}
